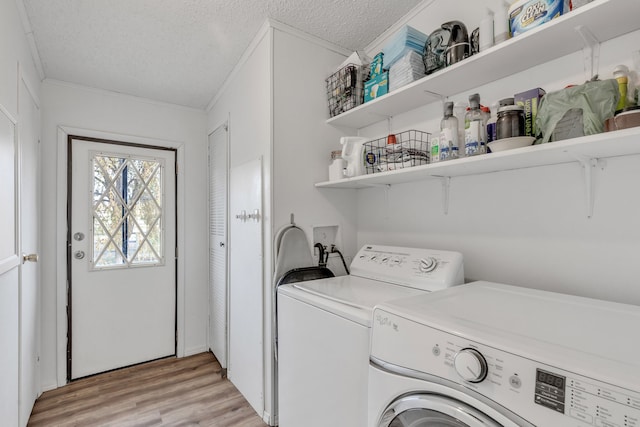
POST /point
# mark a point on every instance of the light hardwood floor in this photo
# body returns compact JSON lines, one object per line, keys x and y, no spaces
{"x":168,"y":392}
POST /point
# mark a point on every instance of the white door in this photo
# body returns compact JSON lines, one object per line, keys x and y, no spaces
{"x":246,"y":289}
{"x":29,"y":143}
{"x":122,"y":241}
{"x":218,"y":193}
{"x":9,"y":272}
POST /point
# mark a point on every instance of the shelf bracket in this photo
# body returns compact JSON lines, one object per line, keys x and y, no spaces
{"x":588,"y":165}
{"x":446,"y":187}
{"x":590,"y":52}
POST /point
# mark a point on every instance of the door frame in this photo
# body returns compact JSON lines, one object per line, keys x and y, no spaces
{"x":62,"y":272}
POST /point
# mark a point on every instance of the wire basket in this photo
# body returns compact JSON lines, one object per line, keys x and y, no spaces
{"x":345,"y":89}
{"x":401,"y":150}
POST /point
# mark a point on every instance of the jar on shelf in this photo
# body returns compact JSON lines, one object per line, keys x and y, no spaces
{"x":510,"y":122}
{"x":336,"y":168}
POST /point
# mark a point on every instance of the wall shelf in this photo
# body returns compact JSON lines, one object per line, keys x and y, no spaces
{"x":578,"y":150}
{"x":604,"y":19}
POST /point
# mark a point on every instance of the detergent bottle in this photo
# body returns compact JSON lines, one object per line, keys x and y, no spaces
{"x":352,"y":153}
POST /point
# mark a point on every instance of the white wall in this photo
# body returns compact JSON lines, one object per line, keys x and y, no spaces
{"x":303,"y":141}
{"x":245,"y":101}
{"x":16,"y":63}
{"x":276,"y":104}
{"x":526,"y":227}
{"x":94,"y":110}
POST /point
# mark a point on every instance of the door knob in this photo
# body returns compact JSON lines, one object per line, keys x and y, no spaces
{"x":78,"y":254}
{"x":29,"y":257}
{"x":222,"y":244}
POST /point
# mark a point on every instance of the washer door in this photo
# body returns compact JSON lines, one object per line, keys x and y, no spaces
{"x":430,"y":410}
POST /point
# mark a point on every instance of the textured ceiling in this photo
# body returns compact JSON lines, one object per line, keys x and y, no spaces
{"x":181,"y":51}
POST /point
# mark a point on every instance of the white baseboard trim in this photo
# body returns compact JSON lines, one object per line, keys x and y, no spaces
{"x":195,"y":350}
{"x":49,"y":387}
{"x":267,"y":418}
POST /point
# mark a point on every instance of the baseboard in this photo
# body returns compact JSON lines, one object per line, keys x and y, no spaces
{"x":267,"y":418}
{"x":49,"y":387}
{"x":195,"y":350}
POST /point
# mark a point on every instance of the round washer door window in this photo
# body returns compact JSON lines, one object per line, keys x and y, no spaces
{"x":426,"y":410}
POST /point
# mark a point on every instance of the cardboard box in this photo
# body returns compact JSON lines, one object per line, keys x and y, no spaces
{"x":376,"y":87}
{"x":376,"y":66}
{"x":530,"y":100}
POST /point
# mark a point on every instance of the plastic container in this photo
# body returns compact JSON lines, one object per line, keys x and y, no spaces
{"x":621,"y":74}
{"x":459,"y":111}
{"x":337,"y":166}
{"x":449,"y":146}
{"x":501,"y":23}
{"x":475,"y":133}
{"x":434,"y":149}
{"x":525,"y":15}
{"x":486,"y":31}
{"x":491,"y":123}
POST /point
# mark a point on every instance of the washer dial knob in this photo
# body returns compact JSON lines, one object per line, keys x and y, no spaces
{"x":427,"y":265}
{"x":471,"y":365}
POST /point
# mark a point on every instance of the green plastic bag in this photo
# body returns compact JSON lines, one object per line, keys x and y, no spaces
{"x":576,"y":111}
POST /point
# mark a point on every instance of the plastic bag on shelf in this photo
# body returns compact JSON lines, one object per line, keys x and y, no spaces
{"x":576,"y":111}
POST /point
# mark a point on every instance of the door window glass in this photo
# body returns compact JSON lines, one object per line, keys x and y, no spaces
{"x":127,"y":214}
{"x":425,"y":418}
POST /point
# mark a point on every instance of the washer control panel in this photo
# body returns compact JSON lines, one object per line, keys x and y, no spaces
{"x":542,"y":394}
{"x":427,"y":269}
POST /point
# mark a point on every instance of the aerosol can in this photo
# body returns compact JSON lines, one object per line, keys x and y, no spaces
{"x":352,"y":153}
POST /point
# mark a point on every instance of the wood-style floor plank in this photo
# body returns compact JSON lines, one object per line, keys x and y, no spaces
{"x":168,"y":392}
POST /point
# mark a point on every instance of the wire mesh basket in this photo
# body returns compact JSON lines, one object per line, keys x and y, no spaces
{"x":345,"y":89}
{"x":398,"y":151}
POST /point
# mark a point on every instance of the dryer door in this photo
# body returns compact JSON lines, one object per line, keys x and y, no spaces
{"x":430,"y":410}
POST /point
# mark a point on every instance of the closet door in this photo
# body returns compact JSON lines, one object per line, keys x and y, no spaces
{"x":246,"y":364}
{"x":218,"y":289}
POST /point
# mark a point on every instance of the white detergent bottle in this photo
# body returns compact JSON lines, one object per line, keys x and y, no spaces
{"x":352,"y":153}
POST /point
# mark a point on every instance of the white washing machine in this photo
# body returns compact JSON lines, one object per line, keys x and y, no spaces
{"x":487,"y":354}
{"x":324,"y":329}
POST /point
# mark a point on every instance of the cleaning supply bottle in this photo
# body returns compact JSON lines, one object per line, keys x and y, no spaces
{"x":475,"y":137}
{"x":621,"y":74}
{"x":449,"y":146}
{"x":491,"y":123}
{"x":486,"y":31}
{"x":434,"y":148}
{"x":501,"y":23}
{"x":459,"y":111}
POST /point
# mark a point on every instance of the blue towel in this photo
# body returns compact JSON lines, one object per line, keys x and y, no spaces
{"x":405,"y":40}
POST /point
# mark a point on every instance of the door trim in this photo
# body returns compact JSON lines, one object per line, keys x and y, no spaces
{"x":61,"y":235}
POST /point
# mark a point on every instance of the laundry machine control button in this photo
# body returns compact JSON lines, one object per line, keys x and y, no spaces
{"x":515,"y":381}
{"x":471,"y":365}
{"x":428,"y":264}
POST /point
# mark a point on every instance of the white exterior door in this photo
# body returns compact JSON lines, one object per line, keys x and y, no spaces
{"x":122,"y":240}
{"x":29,"y":143}
{"x":218,"y":194}
{"x":246,"y":364}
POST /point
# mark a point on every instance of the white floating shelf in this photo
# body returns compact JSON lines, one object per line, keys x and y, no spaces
{"x":605,"y":19}
{"x":612,"y":144}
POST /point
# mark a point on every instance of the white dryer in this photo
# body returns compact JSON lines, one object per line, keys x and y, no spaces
{"x":487,"y":354}
{"x":324,"y":329}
